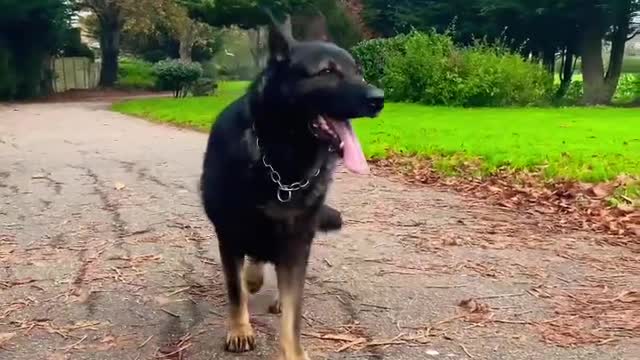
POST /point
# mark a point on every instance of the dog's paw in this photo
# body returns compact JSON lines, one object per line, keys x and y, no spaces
{"x":275,"y":308}
{"x":241,"y":339}
{"x":329,"y":219}
{"x":303,"y":356}
{"x":253,"y":276}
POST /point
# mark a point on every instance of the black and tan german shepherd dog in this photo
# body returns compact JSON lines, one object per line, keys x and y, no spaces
{"x":269,"y":162}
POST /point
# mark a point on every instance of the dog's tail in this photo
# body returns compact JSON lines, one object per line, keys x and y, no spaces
{"x":329,"y":219}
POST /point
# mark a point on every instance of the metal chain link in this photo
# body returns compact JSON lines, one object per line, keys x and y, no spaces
{"x":285,"y":191}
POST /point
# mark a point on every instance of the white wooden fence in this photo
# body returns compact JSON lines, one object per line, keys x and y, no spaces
{"x":74,"y":73}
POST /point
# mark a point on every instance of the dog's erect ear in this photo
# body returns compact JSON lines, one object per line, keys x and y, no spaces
{"x":280,"y":39}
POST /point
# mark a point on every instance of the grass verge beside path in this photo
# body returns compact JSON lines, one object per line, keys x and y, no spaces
{"x":195,"y":112}
{"x":584,"y":144}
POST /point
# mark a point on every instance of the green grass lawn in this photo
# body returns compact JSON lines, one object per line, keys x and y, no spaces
{"x":196,"y":112}
{"x":587,"y":144}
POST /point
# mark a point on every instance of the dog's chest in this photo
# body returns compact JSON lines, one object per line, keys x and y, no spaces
{"x":299,"y":206}
{"x":276,"y":211}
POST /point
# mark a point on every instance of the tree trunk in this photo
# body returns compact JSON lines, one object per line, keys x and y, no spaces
{"x":257,"y":46}
{"x":618,"y":45}
{"x":46,"y":82}
{"x":110,"y":47}
{"x":549,"y":59}
{"x":566,"y":72}
{"x":186,"y":43}
{"x":599,"y":87}
{"x":595,"y":90}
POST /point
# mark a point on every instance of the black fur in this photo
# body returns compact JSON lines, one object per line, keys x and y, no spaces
{"x":303,"y":80}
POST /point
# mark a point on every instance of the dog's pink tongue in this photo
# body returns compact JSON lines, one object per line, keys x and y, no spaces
{"x":353,"y":156}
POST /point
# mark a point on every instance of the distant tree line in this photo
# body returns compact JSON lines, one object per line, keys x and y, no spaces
{"x":545,"y":30}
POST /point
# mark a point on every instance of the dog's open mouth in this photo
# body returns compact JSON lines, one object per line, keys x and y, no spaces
{"x":341,"y":137}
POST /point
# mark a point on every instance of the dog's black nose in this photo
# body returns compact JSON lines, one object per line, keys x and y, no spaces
{"x":375,"y":100}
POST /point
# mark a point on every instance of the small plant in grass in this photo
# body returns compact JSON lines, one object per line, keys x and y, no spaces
{"x":626,"y":197}
{"x":177,"y":76}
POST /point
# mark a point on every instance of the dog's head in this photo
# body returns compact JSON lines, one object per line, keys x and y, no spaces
{"x":322,"y":86}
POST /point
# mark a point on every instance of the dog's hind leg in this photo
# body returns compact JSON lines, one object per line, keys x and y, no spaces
{"x":291,"y":277}
{"x":253,"y":275}
{"x":240,"y":335}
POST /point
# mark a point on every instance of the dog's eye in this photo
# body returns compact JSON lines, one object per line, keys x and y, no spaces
{"x":326,"y":71}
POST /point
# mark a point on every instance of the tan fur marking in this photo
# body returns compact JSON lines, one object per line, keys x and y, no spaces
{"x":275,"y":307}
{"x":253,"y":275}
{"x":291,"y":349}
{"x":240,"y":337}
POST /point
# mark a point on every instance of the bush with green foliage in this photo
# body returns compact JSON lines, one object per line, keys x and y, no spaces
{"x":205,"y":86}
{"x":574,"y":94}
{"x":373,"y":56}
{"x":136,"y":74}
{"x":628,"y":88}
{"x":428,"y":68}
{"x":177,"y":76}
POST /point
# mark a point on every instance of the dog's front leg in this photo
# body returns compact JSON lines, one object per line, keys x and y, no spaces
{"x":240,"y":335}
{"x":291,"y":276}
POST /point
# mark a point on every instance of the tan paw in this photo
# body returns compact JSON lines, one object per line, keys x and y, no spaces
{"x":275,"y":307}
{"x":302,"y":356}
{"x":241,"y":339}
{"x":253,"y":276}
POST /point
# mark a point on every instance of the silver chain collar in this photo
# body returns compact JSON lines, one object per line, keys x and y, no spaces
{"x":285,"y":191}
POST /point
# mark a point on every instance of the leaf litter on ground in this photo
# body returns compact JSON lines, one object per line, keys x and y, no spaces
{"x":580,"y":206}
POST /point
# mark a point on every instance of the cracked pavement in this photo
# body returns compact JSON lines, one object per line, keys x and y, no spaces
{"x":105,"y":253}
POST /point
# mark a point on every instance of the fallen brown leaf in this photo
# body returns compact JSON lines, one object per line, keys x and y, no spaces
{"x":5,"y":337}
{"x":572,"y":204}
{"x":473,"y":306}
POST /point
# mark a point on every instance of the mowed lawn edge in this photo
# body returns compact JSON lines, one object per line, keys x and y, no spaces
{"x":581,"y":144}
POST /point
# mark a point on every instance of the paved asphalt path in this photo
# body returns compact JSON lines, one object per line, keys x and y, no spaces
{"x":105,"y":253}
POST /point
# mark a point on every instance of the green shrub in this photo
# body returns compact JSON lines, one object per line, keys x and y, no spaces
{"x":177,"y":76}
{"x":628,"y":88}
{"x":136,"y":74}
{"x":574,"y":94}
{"x":428,"y":68}
{"x":425,"y":71}
{"x":205,"y":86}
{"x":373,"y":54}
{"x":494,"y":76}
